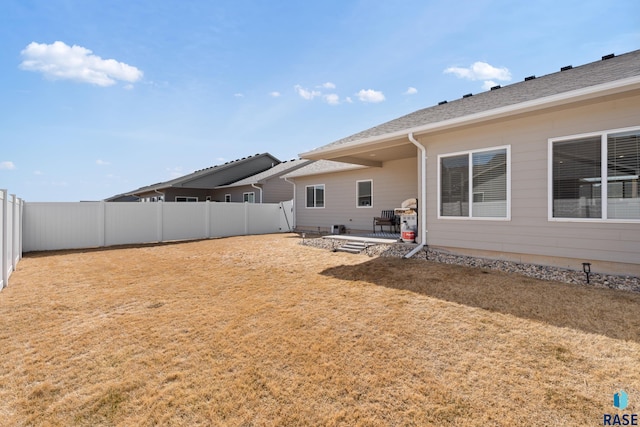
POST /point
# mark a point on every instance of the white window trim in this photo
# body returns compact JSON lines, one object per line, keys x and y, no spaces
{"x":249,"y":193}
{"x":604,"y":191}
{"x":470,"y":153}
{"x":358,"y":196}
{"x":187,"y":198}
{"x":305,"y":196}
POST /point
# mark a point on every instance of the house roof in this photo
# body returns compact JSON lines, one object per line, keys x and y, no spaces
{"x":274,"y":172}
{"x":322,"y":166}
{"x":186,"y":180}
{"x":533,"y":93}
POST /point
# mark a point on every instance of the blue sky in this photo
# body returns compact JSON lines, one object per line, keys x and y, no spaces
{"x":99,"y":97}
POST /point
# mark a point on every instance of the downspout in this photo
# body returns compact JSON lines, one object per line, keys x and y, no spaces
{"x":423,"y":196}
{"x":294,"y":201}
{"x":259,"y":188}
{"x":162,"y":194}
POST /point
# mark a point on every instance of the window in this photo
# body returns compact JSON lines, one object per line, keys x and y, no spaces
{"x":579,"y":167}
{"x":364,"y":194}
{"x":315,"y":196}
{"x":249,"y":197}
{"x":483,"y":174}
{"x":186,"y":199}
{"x":227,"y":198}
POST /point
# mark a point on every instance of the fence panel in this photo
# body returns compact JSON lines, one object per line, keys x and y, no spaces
{"x":227,"y":219}
{"x":130,"y":223}
{"x":263,"y":218}
{"x":183,"y":221}
{"x":50,"y":226}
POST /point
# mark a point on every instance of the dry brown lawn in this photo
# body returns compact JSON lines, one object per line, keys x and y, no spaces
{"x":260,"y":331}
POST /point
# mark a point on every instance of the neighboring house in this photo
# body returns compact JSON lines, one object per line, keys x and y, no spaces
{"x":122,"y":198}
{"x":513,"y":173}
{"x":200,"y":186}
{"x":264,"y":187}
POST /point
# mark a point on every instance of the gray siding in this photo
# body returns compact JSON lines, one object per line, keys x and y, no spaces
{"x":393,"y":183}
{"x":529,"y":232}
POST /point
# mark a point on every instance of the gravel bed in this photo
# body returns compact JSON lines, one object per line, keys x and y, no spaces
{"x":627,"y":283}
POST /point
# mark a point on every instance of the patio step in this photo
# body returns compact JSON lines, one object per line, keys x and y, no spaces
{"x":353,"y":247}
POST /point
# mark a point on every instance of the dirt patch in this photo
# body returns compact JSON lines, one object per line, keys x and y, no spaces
{"x":262,"y":331}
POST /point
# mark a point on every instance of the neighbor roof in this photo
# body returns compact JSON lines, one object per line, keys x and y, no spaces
{"x":611,"y":68}
{"x":274,"y":172}
{"x":183,"y":181}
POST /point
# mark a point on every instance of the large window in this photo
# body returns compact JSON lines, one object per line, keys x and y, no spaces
{"x":580,"y":165}
{"x":475,"y":184}
{"x":186,"y":199}
{"x":315,"y":196}
{"x":364,"y":194}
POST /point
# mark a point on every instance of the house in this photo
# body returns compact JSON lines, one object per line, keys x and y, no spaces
{"x":332,"y":193}
{"x":263,"y":187}
{"x":514,"y":173}
{"x":200,"y":185}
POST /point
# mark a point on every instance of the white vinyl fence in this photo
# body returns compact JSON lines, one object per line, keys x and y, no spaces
{"x":10,"y":235}
{"x":51,"y":226}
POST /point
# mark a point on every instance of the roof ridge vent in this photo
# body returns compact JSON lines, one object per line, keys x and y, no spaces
{"x":467,"y":95}
{"x":526,"y":79}
{"x":496,"y":87}
{"x":442,"y":102}
{"x":611,"y":55}
{"x":568,"y":67}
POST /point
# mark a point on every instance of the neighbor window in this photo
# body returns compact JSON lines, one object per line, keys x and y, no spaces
{"x":315,"y":196}
{"x":186,"y":199}
{"x":249,"y":197}
{"x":364,"y":193}
{"x":483,"y":174}
{"x":227,"y":198}
{"x":579,"y":167}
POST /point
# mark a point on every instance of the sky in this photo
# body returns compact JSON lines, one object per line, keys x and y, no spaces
{"x":100,"y":97}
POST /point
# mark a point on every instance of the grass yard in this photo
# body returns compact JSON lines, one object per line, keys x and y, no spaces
{"x":261,"y":331}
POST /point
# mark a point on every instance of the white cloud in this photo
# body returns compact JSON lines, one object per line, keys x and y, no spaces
{"x":102,"y":163}
{"x":488,"y":84}
{"x":238,"y":95}
{"x":480,"y":71}
{"x":332,"y":99}
{"x":275,"y":94}
{"x":348,"y":100}
{"x":58,"y":61}
{"x":7,"y":165}
{"x":305,"y":93}
{"x":370,"y":95}
{"x":328,"y":85}
{"x":411,"y":91}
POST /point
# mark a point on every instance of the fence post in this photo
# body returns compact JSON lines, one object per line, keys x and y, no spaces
{"x":4,"y":241}
{"x":14,"y":233}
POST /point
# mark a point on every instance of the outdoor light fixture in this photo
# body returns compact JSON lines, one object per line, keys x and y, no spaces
{"x":586,"y":267}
